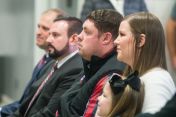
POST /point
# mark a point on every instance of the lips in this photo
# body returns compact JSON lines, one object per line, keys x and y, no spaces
{"x":117,"y":49}
{"x":50,"y":46}
{"x":39,"y":39}
{"x":79,"y":45}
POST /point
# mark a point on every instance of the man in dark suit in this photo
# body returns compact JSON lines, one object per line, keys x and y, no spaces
{"x":45,"y":93}
{"x":42,"y":34}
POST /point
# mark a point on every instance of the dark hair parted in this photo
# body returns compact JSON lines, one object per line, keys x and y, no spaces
{"x":106,"y":20}
{"x":152,"y":53}
{"x":75,"y":24}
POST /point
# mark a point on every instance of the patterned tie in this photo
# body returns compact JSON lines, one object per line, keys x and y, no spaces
{"x":39,"y":67}
{"x":41,"y":87}
{"x":41,"y":62}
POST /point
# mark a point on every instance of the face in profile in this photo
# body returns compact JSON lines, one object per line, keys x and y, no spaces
{"x":125,"y":44}
{"x":58,"y":39}
{"x":43,"y":27}
{"x":105,"y":102}
{"x":88,"y":40}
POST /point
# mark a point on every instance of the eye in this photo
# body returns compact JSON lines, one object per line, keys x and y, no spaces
{"x":55,"y":35}
{"x":104,"y":95}
{"x":38,"y":26}
{"x":121,"y":34}
{"x":45,"y":28}
{"x":87,"y":32}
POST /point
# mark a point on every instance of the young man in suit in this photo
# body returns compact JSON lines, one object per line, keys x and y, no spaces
{"x":45,"y":93}
{"x":96,"y":46}
{"x":42,"y":34}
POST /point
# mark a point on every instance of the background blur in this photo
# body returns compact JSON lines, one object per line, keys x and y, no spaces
{"x":18,"y":52}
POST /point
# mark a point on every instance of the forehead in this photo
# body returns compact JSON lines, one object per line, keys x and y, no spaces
{"x":47,"y":19}
{"x":89,"y":24}
{"x":61,"y":26}
{"x":124,"y":25}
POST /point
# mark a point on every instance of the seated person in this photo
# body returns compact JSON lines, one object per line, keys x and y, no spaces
{"x":121,"y":97}
{"x":141,"y":45}
{"x":45,"y":62}
{"x":169,"y":110}
{"x":96,"y":46}
{"x":45,"y":93}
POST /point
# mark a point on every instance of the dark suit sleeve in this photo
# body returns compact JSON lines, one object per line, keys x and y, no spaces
{"x":63,"y":85}
{"x":80,"y":101}
{"x":169,"y":110}
{"x":10,"y":108}
{"x":74,"y":104}
{"x":64,"y":110}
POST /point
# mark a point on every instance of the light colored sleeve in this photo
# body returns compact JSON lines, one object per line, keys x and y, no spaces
{"x":159,"y":88}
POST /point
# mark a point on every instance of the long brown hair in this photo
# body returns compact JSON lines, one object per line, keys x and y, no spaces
{"x":152,"y":53}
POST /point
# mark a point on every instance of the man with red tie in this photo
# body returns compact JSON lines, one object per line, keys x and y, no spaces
{"x":42,"y":34}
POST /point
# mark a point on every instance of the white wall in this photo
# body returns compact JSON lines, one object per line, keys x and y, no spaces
{"x":162,"y":9}
{"x":16,"y":45}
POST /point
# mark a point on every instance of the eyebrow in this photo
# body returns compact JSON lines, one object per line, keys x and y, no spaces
{"x":85,"y":28}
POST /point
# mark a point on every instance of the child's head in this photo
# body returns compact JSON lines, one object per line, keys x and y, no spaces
{"x":122,"y":97}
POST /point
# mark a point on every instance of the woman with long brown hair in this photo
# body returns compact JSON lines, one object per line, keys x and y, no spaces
{"x":141,"y":45}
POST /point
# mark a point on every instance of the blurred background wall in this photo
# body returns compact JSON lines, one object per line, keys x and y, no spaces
{"x":18,"y":52}
{"x":16,"y":45}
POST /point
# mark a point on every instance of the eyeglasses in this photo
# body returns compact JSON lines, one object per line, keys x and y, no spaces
{"x":118,"y":84}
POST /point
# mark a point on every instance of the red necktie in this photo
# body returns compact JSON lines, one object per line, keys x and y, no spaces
{"x":41,"y":87}
{"x":41,"y":62}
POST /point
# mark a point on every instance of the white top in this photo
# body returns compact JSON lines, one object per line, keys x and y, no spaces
{"x":159,"y":88}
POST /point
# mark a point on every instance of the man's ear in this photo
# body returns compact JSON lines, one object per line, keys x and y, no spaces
{"x":107,"y":38}
{"x":141,"y":40}
{"x":73,"y":39}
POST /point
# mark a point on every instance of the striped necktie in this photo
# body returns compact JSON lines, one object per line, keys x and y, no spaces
{"x":41,"y":87}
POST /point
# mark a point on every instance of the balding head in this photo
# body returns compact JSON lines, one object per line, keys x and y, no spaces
{"x":44,"y":25}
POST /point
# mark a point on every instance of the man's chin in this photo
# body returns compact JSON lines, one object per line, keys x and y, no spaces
{"x":79,"y":52}
{"x":52,"y":55}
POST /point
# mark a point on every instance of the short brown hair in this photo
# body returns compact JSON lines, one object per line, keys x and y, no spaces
{"x":106,"y":20}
